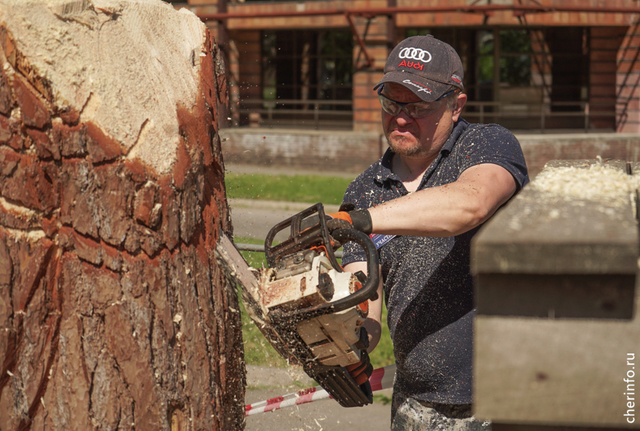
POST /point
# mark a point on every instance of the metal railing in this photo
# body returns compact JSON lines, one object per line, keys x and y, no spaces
{"x":541,"y":113}
{"x":283,"y":112}
{"x":314,"y":113}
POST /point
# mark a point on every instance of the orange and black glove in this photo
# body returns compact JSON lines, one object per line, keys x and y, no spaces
{"x":361,"y":371}
{"x":359,"y":219}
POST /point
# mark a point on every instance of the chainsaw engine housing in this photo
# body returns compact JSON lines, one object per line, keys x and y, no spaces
{"x":306,"y":279}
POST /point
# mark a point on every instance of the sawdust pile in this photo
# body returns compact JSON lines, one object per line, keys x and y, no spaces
{"x":598,"y":182}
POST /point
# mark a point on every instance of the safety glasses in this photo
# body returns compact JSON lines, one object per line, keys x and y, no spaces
{"x":412,"y":109}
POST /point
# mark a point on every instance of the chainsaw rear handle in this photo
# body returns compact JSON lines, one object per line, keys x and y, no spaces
{"x":368,"y":290}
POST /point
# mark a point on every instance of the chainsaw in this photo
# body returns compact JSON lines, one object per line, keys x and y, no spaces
{"x":309,"y":309}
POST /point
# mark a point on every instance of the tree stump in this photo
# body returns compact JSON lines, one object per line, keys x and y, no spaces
{"x":113,"y":311}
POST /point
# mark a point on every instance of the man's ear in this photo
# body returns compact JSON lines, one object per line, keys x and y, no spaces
{"x":457,"y":110}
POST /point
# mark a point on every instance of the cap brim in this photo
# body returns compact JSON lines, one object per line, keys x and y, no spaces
{"x":425,"y":89}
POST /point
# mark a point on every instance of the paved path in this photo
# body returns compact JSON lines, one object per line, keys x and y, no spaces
{"x":325,"y":415}
{"x":254,"y":218}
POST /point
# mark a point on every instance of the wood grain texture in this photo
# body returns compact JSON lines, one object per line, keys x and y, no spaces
{"x":114,"y":313}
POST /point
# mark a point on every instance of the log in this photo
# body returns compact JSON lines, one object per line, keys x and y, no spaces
{"x":114,"y":313}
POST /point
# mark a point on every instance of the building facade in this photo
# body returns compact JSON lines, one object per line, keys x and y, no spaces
{"x":569,"y":65}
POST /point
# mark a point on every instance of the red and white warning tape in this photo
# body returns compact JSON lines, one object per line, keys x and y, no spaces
{"x":382,"y":378}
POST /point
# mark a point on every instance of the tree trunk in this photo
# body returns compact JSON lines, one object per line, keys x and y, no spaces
{"x":113,"y":311}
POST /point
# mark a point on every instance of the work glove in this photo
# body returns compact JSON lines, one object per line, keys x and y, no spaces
{"x":359,"y":219}
{"x":346,"y":218}
{"x":362,"y":370}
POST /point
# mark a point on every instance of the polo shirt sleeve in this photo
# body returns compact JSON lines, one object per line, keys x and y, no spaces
{"x":492,"y":143}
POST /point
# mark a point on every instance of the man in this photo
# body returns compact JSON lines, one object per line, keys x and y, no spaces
{"x":439,"y":181}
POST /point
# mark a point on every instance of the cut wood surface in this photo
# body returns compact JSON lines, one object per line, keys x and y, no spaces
{"x":114,"y":313}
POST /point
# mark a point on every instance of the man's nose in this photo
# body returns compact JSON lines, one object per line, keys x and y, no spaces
{"x":403,"y":117}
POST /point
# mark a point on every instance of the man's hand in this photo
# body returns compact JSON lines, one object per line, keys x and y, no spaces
{"x":345,"y":218}
{"x":359,"y":219}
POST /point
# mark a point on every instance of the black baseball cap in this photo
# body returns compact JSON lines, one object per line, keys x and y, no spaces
{"x":427,"y":66}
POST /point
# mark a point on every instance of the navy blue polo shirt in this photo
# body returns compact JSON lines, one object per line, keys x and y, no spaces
{"x":428,"y":288}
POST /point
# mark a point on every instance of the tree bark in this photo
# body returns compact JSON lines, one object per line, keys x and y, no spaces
{"x":113,"y":311}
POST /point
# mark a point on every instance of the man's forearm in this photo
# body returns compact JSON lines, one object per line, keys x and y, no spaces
{"x":433,"y":212}
{"x":447,"y":210}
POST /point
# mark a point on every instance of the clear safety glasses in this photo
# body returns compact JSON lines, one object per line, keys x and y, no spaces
{"x":412,"y":109}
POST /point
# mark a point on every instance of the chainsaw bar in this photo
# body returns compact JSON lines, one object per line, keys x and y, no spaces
{"x":336,"y":380}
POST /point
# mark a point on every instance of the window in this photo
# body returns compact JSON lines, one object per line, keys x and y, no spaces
{"x":308,"y":75}
{"x":307,"y":65}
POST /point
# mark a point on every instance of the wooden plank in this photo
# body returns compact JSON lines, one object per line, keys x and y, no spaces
{"x":554,"y":371}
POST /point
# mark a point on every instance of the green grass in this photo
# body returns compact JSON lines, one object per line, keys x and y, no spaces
{"x":289,"y":188}
{"x":257,"y":349}
{"x":382,"y":399}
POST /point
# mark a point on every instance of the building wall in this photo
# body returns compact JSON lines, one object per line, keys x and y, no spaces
{"x":354,"y":151}
{"x":628,"y":82}
{"x":366,"y":108}
{"x":605,"y":42}
{"x":244,"y":70}
{"x":615,"y":44}
{"x":454,"y":19}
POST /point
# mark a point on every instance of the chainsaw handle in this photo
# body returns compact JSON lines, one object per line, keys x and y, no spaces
{"x":306,"y":231}
{"x":369,"y":288}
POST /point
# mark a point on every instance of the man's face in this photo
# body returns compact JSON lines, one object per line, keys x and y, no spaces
{"x":418,"y":137}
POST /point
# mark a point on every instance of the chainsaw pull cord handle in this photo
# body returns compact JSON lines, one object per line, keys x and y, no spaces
{"x":369,"y":288}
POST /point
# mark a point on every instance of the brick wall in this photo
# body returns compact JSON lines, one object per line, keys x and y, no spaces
{"x":366,"y":108}
{"x":245,"y":70}
{"x":455,"y":19}
{"x":614,"y":73}
{"x":605,"y":42}
{"x":628,"y":81}
{"x":252,"y":10}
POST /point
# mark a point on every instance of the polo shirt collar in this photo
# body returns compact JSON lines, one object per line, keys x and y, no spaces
{"x":458,"y":129}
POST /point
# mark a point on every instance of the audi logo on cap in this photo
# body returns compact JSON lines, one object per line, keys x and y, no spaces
{"x":415,"y":54}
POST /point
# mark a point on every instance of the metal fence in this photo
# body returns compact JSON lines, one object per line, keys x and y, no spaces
{"x":542,"y":116}
{"x":338,"y":114}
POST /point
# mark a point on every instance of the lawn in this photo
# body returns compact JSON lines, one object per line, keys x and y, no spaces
{"x":288,"y":188}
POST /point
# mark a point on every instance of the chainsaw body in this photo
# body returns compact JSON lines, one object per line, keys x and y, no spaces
{"x":310,"y":309}
{"x":309,"y":280}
